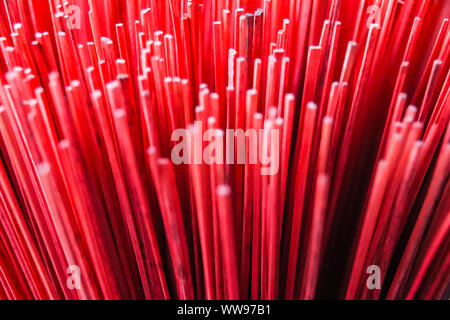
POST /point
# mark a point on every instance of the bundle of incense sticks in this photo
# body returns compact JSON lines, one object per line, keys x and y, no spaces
{"x":343,"y":192}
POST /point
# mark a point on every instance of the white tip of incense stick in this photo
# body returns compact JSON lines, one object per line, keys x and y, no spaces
{"x":327,"y":120}
{"x":120,"y":113}
{"x":152,"y":150}
{"x":43,"y":168}
{"x":258,"y":116}
{"x":223,"y":190}
{"x":63,"y":144}
{"x":311,"y":105}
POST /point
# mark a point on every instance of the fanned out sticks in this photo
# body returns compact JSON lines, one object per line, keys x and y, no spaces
{"x":93,"y":95}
